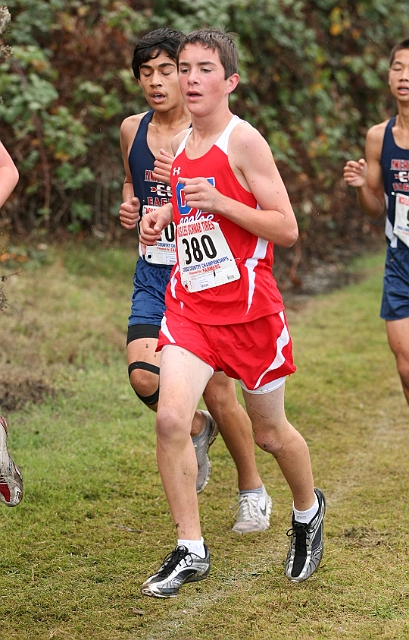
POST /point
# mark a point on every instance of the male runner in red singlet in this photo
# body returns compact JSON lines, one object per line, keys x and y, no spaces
{"x":384,"y":178}
{"x":143,"y":137}
{"x":11,"y":481}
{"x":223,"y":308}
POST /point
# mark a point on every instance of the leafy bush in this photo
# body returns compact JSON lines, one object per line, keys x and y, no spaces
{"x":65,"y":91}
{"x":313,"y":79}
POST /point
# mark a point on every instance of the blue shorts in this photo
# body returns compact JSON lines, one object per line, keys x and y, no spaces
{"x":148,"y":299}
{"x":395,"y":299}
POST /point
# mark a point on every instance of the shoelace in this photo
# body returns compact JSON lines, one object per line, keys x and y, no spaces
{"x":247,"y":507}
{"x":172,"y":560}
{"x":300,"y":531}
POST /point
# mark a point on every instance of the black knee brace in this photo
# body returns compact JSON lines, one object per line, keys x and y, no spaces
{"x":148,"y":400}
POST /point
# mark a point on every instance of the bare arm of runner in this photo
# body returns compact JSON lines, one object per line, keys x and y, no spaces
{"x":366,"y":175}
{"x":130,"y":207}
{"x":253,"y":164}
{"x":8,"y":175}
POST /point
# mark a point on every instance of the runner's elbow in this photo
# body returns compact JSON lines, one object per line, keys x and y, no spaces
{"x":290,"y":237}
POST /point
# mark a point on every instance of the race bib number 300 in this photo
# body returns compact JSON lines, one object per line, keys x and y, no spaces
{"x":204,"y":256}
{"x":164,"y":252}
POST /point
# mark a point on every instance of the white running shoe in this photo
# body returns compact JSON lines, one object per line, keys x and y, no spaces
{"x":11,"y":480}
{"x":253,"y":512}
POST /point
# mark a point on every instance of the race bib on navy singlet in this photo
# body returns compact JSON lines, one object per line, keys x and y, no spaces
{"x":164,"y":252}
{"x":401,"y":227}
{"x":205,"y":258}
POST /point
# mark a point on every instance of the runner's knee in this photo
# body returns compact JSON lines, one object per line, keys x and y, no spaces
{"x":144,"y":380}
{"x":172,"y":427}
{"x":273,"y":436}
{"x":403,"y":370}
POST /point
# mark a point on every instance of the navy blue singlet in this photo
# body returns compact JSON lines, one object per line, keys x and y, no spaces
{"x":395,"y":173}
{"x":150,"y":280}
{"x":141,"y":161}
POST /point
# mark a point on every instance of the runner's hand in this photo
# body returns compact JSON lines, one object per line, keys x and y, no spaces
{"x":355,"y":173}
{"x":163,"y":164}
{"x":129,"y":213}
{"x":153,"y":223}
{"x":200,"y":194}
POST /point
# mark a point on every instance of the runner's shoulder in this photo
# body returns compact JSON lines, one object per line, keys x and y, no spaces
{"x":247,"y":142}
{"x":130,"y":125}
{"x":178,"y":139}
{"x":376,"y":133}
{"x":374,"y":141}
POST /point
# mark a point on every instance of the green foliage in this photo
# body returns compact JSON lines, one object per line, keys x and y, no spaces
{"x":65,"y":88}
{"x":5,"y":51}
{"x":313,"y":79}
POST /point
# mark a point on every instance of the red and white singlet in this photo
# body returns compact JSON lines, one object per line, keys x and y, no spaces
{"x":224,"y":273}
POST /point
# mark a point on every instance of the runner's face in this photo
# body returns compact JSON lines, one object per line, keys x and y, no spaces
{"x":399,"y":76}
{"x":159,"y":82}
{"x":201,"y":78}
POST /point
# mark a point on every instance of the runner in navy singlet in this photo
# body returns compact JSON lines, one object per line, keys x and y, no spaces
{"x":382,"y":178}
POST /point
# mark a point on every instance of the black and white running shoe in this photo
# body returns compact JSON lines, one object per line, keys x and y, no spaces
{"x":179,"y":567}
{"x":307,"y":544}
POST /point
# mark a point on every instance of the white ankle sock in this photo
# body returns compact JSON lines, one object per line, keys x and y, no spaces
{"x":258,"y":491}
{"x":306,"y":516}
{"x":194,"y":546}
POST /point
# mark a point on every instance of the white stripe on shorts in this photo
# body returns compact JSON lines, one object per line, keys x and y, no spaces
{"x":165,"y":330}
{"x":266,"y":388}
{"x":282,"y":341}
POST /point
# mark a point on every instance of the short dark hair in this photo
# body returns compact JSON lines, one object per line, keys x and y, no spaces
{"x":216,"y":40}
{"x":153,"y":44}
{"x":398,"y":47}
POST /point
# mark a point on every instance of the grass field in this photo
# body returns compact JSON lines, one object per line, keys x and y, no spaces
{"x":94,"y":521}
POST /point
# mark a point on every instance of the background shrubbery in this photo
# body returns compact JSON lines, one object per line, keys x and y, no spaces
{"x":313,"y":79}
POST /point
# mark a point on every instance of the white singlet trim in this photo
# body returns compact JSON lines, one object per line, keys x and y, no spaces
{"x":389,"y":233}
{"x":389,"y":228}
{"x":222,"y":142}
{"x":251,"y":263}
